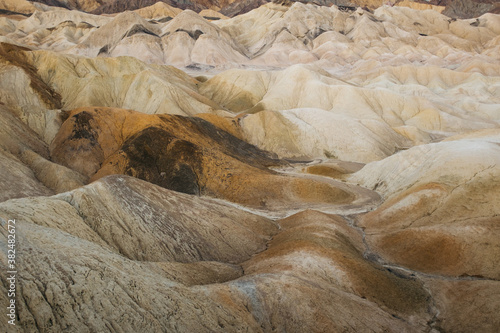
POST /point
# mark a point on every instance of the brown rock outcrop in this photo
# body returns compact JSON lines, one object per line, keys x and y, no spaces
{"x":184,"y":154}
{"x":465,"y":9}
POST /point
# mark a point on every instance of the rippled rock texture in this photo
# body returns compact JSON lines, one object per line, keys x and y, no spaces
{"x":297,"y":168}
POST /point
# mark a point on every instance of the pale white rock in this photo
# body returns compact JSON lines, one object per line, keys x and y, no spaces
{"x":247,"y":29}
{"x":210,"y":50}
{"x":177,"y":48}
{"x":191,"y":22}
{"x":390,"y":108}
{"x":51,"y":19}
{"x":196,"y":26}
{"x":491,"y":22}
{"x":282,"y":51}
{"x":146,"y":47}
{"x":330,"y":37}
{"x":451,"y":163}
{"x":319,"y":133}
{"x":264,"y":36}
{"x":104,"y":39}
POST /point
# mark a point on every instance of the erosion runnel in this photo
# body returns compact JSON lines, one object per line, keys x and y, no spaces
{"x":297,"y":167}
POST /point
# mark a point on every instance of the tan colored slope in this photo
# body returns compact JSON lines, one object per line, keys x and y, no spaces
{"x":120,"y":82}
{"x":426,"y":163}
{"x":389,"y":108}
{"x":161,"y":10}
{"x":141,"y":271}
{"x":17,"y":137}
{"x":211,"y":14}
{"x":54,"y":176}
{"x":17,"y":6}
{"x":316,"y":260}
{"x":185,"y":40}
{"x":57,"y":30}
{"x":51,"y":19}
{"x":27,"y":95}
{"x":459,"y":96}
{"x":158,"y":10}
{"x":144,"y":262}
{"x":22,"y":86}
{"x":420,"y":6}
{"x":28,"y":124}
{"x":34,"y":84}
{"x":182,"y":229}
{"x":24,"y":7}
{"x":440,"y":216}
{"x":104,"y":39}
{"x":319,"y":133}
{"x":26,"y":169}
{"x":432,"y":23}
{"x":272,"y":35}
{"x":120,"y":249}
{"x":7,"y":25}
{"x":209,"y":44}
{"x":491,"y":22}
{"x":123,"y":292}
{"x":237,"y":90}
{"x":407,"y":102}
{"x":312,"y":244}
{"x":298,"y":20}
{"x":18,"y":180}
{"x":388,"y":29}
{"x":466,"y":305}
{"x":184,"y":154}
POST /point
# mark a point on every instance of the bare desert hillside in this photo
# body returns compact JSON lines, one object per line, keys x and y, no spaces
{"x":289,"y":168}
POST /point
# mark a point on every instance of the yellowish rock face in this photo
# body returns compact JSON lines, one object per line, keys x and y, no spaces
{"x":188,"y":155}
{"x":296,"y":168}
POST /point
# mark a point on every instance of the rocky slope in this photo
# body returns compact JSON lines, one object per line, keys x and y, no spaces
{"x":272,"y":35}
{"x":471,"y":8}
{"x":231,"y":8}
{"x":188,"y":155}
{"x":297,"y":168}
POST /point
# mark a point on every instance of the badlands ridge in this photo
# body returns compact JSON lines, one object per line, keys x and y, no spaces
{"x":296,"y":168}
